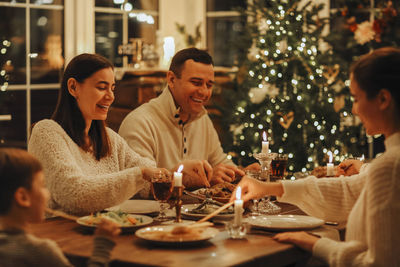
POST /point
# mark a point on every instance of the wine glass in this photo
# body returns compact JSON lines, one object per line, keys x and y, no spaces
{"x":161,"y":187}
{"x":254,"y":208}
{"x":265,"y":205}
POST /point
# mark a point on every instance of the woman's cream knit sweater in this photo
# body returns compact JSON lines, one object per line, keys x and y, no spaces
{"x":80,"y":184}
{"x":369,"y":201}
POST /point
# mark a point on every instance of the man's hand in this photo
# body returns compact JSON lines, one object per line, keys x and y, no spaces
{"x":225,"y":173}
{"x":196,"y":173}
{"x":253,"y":167}
{"x":300,"y":239}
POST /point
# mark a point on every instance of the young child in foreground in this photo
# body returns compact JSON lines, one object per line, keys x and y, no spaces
{"x":23,"y":199}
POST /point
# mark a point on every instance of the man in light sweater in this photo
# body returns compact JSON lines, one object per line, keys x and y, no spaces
{"x":175,"y":126}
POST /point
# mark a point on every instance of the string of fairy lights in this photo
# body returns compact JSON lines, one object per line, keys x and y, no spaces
{"x":4,"y":77}
{"x":285,"y":54}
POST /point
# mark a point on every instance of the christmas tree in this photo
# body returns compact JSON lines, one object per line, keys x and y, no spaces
{"x":356,"y":28}
{"x":286,"y":87}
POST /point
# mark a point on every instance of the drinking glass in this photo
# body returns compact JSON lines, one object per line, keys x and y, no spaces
{"x":161,"y":187}
{"x":278,"y":166}
{"x":265,"y":205}
{"x":254,"y":208}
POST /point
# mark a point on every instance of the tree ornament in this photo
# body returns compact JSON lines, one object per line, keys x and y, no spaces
{"x":237,"y":128}
{"x":254,"y":51}
{"x":338,"y":86}
{"x":339,"y":103}
{"x":285,"y":120}
{"x":330,"y":73}
{"x":263,"y":26}
{"x":283,"y":45}
{"x":258,"y":94}
{"x":364,"y":32}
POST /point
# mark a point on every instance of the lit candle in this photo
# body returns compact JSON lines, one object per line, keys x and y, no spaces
{"x":265,"y":144}
{"x":362,"y":158}
{"x":238,"y":207}
{"x":178,"y":176}
{"x":330,"y":168}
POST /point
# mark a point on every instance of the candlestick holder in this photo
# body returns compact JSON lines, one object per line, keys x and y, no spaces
{"x":237,"y":231}
{"x":265,"y":205}
{"x":178,"y":203}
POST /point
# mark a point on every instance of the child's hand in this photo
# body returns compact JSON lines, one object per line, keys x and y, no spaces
{"x":107,"y":228}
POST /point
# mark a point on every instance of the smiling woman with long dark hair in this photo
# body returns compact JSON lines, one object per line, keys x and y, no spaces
{"x":88,"y":167}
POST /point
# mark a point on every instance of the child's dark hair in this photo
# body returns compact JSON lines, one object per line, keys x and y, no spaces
{"x":17,"y":169}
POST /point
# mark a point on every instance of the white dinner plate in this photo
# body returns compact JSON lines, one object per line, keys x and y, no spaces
{"x":187,"y":208}
{"x":142,"y":220}
{"x":284,"y":222}
{"x":162,"y":235}
{"x":137,"y":206}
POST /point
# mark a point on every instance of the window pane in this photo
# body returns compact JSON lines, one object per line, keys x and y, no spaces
{"x":108,"y":30}
{"x":221,"y":36}
{"x":13,"y":132}
{"x":47,"y":2}
{"x":17,"y":1}
{"x":130,"y":4}
{"x":47,"y":39}
{"x":43,"y":104}
{"x":224,"y":5}
{"x":12,"y":45}
{"x":144,"y":30}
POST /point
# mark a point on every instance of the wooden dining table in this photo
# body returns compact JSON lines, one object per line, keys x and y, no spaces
{"x":256,"y":249}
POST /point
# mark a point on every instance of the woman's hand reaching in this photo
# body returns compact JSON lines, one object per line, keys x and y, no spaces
{"x":300,"y":239}
{"x":255,"y":189}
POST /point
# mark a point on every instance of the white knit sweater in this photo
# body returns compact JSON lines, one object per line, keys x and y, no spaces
{"x":78,"y":183}
{"x":369,"y":201}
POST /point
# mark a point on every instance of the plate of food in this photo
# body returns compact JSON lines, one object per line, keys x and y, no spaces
{"x":137,"y":206}
{"x":124,"y":220}
{"x":165,"y":235}
{"x":284,"y":222}
{"x":220,"y":192}
{"x":197,"y":211}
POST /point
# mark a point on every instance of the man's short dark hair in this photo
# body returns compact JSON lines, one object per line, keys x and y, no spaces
{"x":17,"y":169}
{"x":195,"y":54}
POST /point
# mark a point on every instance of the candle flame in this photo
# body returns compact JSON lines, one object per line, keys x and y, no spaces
{"x":330,"y":156}
{"x":180,"y":168}
{"x":238,"y":192}
{"x":265,"y":136}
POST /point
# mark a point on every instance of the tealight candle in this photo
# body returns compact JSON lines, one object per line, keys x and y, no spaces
{"x":330,"y":167}
{"x":238,"y":207}
{"x":178,"y":176}
{"x":265,"y":144}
